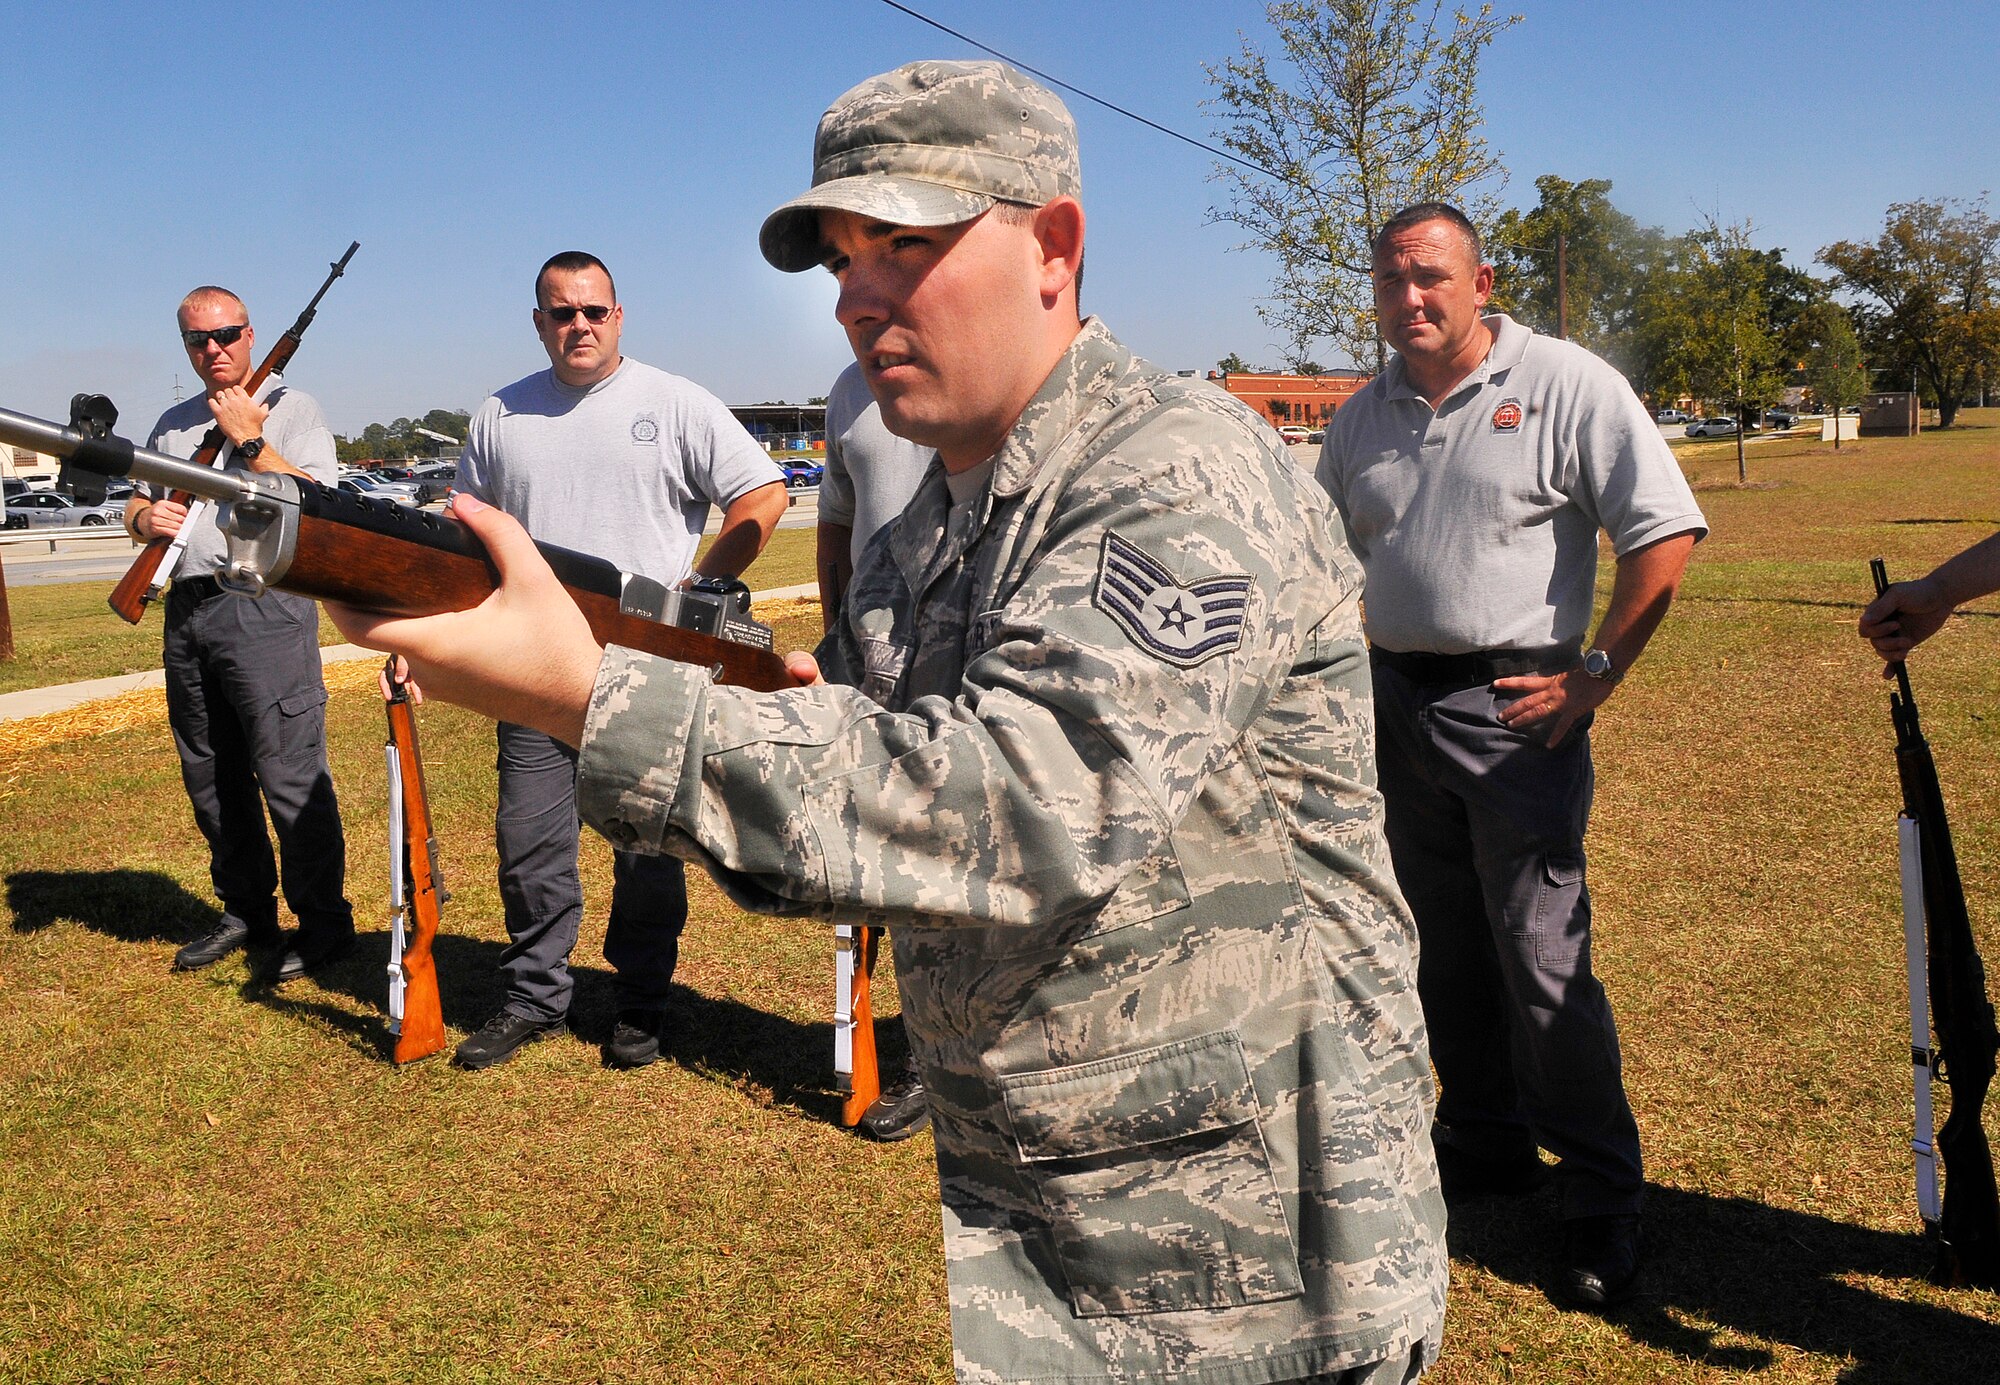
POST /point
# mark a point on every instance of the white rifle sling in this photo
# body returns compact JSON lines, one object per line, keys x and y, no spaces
{"x":197,"y":508}
{"x":1923,"y":1058}
{"x":847,"y":961}
{"x":398,"y":903}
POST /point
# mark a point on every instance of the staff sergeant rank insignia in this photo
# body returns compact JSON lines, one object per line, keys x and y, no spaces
{"x":1182,"y":625}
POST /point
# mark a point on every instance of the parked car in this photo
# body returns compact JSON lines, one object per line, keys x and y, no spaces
{"x":1779,"y":418}
{"x":15,"y":485}
{"x":1316,"y":436}
{"x":1712,"y":428}
{"x":402,"y":492}
{"x":46,"y":509}
{"x":1294,"y":432}
{"x":434,"y":480}
{"x":800,"y":473}
{"x":1673,"y":416}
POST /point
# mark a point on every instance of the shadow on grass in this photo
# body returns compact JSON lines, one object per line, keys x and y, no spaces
{"x":726,"y":1039}
{"x":1761,"y":1271}
{"x":135,"y":906}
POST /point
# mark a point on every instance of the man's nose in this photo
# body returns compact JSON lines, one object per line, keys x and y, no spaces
{"x":861,"y":300}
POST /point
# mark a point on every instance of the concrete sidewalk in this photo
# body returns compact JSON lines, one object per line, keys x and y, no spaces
{"x":36,"y":702}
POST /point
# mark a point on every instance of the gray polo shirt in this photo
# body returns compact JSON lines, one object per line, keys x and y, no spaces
{"x":624,"y":470}
{"x":1477,"y":524}
{"x":296,"y":430}
{"x":870,"y":472}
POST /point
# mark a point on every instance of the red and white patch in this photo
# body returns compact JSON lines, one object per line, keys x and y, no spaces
{"x":1507,"y":418}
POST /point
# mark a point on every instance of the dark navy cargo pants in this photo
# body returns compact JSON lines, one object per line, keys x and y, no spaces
{"x":536,"y":830}
{"x":247,"y":706}
{"x":1486,"y":828}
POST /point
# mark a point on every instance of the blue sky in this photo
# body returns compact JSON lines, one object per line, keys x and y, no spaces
{"x":147,"y":148}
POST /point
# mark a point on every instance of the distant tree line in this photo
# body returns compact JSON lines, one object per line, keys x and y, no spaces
{"x":400,"y":441}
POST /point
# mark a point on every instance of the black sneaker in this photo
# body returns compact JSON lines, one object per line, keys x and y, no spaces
{"x":212,"y":946}
{"x":635,"y":1039}
{"x":1600,"y":1260}
{"x":1464,"y":1176}
{"x":310,"y":954}
{"x":502,"y":1036}
{"x":902,"y":1110}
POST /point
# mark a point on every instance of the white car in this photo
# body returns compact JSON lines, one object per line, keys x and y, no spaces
{"x":1671,"y":415}
{"x":1712,"y":428}
{"x":1294,"y":432}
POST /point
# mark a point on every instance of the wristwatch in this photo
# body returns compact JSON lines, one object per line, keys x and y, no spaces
{"x":1597,"y":664}
{"x":251,"y":450}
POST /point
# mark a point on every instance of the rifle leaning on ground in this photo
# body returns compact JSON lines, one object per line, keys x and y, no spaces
{"x":293,"y":534}
{"x":1947,"y":980}
{"x":148,"y":573}
{"x":416,"y":887}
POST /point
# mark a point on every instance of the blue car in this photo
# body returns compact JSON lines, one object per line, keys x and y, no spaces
{"x":800,"y":473}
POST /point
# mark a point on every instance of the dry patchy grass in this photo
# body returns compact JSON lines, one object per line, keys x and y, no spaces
{"x":200,"y":1179}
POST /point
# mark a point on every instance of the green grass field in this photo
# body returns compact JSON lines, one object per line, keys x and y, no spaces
{"x":203,"y":1180}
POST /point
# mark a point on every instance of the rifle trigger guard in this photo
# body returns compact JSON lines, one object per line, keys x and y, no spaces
{"x":262,"y":530}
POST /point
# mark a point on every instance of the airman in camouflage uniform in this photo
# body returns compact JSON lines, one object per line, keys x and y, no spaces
{"x":1096,"y":745}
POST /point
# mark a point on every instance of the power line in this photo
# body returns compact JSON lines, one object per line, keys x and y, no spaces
{"x":1079,"y":91}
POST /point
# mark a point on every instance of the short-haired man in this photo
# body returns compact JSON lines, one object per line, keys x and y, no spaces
{"x":245,"y":698}
{"x":1474,"y":475}
{"x":1096,"y":748}
{"x":610,"y":457}
{"x":870,"y":476}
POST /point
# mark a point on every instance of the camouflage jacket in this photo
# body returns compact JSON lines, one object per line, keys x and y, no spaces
{"x":1099,"y":748}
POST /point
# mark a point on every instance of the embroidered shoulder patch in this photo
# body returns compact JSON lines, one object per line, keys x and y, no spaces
{"x":1183,"y":625}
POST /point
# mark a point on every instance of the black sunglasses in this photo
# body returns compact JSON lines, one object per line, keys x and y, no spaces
{"x":221,"y":336}
{"x":562,"y":317}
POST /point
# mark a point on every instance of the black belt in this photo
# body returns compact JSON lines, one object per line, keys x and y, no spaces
{"x":1480,"y":666}
{"x":195,"y":589}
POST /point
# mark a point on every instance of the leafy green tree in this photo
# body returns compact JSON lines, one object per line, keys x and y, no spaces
{"x":1607,"y":258}
{"x":1929,"y":291}
{"x":1370,"y":106}
{"x":1233,"y":364}
{"x":1832,"y":353}
{"x":1707,"y":324}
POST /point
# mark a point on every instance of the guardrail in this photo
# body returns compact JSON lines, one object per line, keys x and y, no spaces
{"x":68,"y":533}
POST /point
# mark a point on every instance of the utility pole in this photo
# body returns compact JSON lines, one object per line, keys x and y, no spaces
{"x":1562,"y":285}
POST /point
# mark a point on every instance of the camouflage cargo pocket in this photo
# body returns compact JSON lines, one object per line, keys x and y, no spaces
{"x":1154,"y":1176}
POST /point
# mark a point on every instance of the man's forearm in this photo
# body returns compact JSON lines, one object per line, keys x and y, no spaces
{"x":1644,"y":588}
{"x":747,"y":526}
{"x":1971,"y":574}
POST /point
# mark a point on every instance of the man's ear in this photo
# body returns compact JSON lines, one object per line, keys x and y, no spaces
{"x":1059,"y":232}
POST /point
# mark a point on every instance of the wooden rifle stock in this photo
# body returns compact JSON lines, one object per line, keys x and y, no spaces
{"x":422,"y":1032}
{"x":1968,"y":1040}
{"x":128,"y":599}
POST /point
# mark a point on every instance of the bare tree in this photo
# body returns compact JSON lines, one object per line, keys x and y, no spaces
{"x":1372,"y":107}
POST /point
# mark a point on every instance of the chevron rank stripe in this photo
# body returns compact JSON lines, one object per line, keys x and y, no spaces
{"x":1183,"y":625}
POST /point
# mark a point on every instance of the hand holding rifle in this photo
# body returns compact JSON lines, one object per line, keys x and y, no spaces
{"x":1905,"y":614}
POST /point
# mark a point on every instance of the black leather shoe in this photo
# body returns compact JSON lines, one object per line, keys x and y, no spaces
{"x":901,"y":1111}
{"x":212,"y":946}
{"x":635,"y":1039}
{"x":1465,"y":1177}
{"x":310,"y":954}
{"x":1600,"y":1260}
{"x":501,"y":1037}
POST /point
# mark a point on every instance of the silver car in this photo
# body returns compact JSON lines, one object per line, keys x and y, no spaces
{"x":402,"y":492}
{"x":47,"y":510}
{"x":1712,"y":428}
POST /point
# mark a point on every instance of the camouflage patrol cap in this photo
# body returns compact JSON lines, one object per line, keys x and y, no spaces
{"x":930,"y":144}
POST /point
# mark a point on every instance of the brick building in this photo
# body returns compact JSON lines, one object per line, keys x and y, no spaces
{"x":1304,"y":399}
